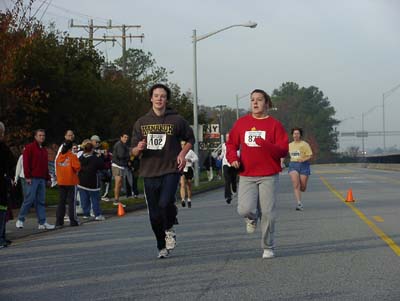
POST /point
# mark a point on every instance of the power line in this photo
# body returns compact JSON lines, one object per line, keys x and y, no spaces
{"x":44,"y":12}
{"x":72,"y":12}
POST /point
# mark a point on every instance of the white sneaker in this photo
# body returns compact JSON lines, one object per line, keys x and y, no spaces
{"x":268,"y":253}
{"x":19,"y":224}
{"x":105,"y":199}
{"x":170,"y":239}
{"x":66,"y":218}
{"x":117,"y":203}
{"x":163,"y":253}
{"x":100,"y":218}
{"x":251,"y":225}
{"x":299,"y":207}
{"x":46,"y":226}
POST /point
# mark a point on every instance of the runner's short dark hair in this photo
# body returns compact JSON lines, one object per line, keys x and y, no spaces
{"x":160,"y":86}
{"x":297,"y":129}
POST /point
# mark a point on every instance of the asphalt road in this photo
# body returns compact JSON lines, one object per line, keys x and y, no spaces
{"x":330,"y":251}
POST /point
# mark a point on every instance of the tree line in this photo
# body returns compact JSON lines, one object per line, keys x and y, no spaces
{"x":51,"y":81}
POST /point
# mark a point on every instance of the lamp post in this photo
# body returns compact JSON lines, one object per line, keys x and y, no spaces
{"x":363,"y":134}
{"x":196,"y":39}
{"x":340,"y":121}
{"x":237,"y":104}
{"x":384,"y":96}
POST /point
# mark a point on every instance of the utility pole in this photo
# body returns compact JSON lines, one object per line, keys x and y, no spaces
{"x":91,"y":28}
{"x":123,"y":40}
{"x":221,"y":119}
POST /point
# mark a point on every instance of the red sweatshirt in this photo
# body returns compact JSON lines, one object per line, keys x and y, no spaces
{"x":262,"y":143}
{"x":35,"y":161}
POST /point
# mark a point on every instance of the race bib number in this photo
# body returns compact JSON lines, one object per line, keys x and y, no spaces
{"x":156,"y":141}
{"x":295,"y":154}
{"x":250,"y":137}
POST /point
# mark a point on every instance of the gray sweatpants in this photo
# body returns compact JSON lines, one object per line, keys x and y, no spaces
{"x":257,"y":198}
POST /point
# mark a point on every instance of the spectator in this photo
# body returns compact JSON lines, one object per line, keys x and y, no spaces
{"x":67,"y":167}
{"x":36,"y":169}
{"x":133,"y":168}
{"x":95,"y":140}
{"x":7,"y":164}
{"x":208,"y":164}
{"x":19,"y":174}
{"x":230,"y":174}
{"x":119,"y":165}
{"x":106,"y":174}
{"x":68,"y":136}
{"x":89,"y":184}
{"x":187,"y":177}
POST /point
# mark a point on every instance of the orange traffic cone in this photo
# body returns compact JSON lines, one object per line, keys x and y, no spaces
{"x":121,"y":210}
{"x":350,"y":196}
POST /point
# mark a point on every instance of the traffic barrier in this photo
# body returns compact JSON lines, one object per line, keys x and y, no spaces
{"x":350,"y":197}
{"x":121,"y":210}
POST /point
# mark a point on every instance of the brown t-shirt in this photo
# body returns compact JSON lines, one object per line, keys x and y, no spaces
{"x":163,"y":135}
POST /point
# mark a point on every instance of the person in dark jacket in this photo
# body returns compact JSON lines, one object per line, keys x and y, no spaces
{"x":120,"y":165}
{"x":7,"y":164}
{"x":36,"y":170}
{"x":157,"y":138}
{"x":89,"y":182}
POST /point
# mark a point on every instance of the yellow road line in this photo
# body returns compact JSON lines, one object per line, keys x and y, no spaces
{"x":378,"y":218}
{"x":375,"y":228}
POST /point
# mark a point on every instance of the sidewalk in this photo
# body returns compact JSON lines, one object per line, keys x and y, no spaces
{"x":31,"y":224}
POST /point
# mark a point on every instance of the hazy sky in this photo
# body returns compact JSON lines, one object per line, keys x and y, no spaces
{"x":348,"y":49}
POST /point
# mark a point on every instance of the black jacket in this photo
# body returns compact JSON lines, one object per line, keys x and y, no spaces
{"x":7,"y":165}
{"x":120,"y":154}
{"x":88,"y":175}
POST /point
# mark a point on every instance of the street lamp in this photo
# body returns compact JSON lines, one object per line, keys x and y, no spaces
{"x":340,"y":122}
{"x":384,"y":96}
{"x":363,"y":134}
{"x":196,"y":39}
{"x":237,"y":104}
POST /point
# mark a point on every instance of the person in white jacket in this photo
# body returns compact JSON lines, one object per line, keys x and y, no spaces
{"x":19,"y":174}
{"x":187,"y":177}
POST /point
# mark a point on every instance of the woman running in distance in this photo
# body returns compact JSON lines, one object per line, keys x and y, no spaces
{"x":299,"y":166}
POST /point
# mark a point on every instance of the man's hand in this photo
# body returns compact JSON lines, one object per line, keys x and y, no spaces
{"x":181,"y":161}
{"x":142,"y":145}
{"x":235,"y":164}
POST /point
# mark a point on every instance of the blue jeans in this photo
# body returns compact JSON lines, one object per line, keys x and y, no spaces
{"x":23,"y":185}
{"x":87,"y":198}
{"x":35,"y":194}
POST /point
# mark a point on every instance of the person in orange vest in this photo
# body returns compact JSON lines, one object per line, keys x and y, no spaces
{"x":67,"y":169}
